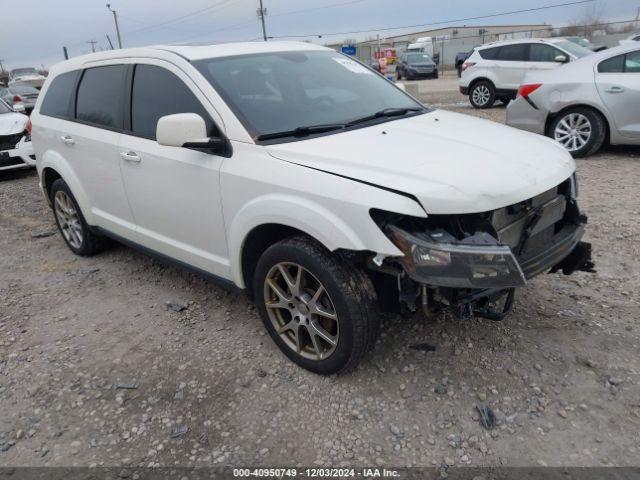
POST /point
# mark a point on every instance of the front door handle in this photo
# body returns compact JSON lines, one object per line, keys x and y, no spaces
{"x":68,"y":139}
{"x":130,"y":157}
{"x":615,"y":90}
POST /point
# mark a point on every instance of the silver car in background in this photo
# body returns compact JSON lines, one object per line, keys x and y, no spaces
{"x":584,"y":103}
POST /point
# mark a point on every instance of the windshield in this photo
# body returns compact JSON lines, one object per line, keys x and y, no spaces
{"x":573,"y":48}
{"x":23,"y":71}
{"x":277,"y":92}
{"x":418,"y":58}
{"x":4,"y":108}
{"x":583,"y":42}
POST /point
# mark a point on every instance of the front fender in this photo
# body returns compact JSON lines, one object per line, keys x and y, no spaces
{"x":52,"y":159}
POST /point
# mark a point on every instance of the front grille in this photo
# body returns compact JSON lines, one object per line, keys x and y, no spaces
{"x":9,"y":142}
{"x":550,"y":219}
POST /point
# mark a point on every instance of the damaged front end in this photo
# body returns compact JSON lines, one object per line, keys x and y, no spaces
{"x":472,"y":263}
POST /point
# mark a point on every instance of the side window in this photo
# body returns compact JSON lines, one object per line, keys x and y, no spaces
{"x":543,"y":53}
{"x":612,"y":65}
{"x":57,"y":101}
{"x":101,"y":95}
{"x":514,"y":53}
{"x":158,"y":92}
{"x":489,"y":53}
{"x":632,"y":62}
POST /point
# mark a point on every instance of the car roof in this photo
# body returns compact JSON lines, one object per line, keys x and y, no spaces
{"x":190,"y":52}
{"x":521,"y":40}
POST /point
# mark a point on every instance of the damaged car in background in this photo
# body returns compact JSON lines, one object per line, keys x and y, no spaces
{"x":303,"y":177}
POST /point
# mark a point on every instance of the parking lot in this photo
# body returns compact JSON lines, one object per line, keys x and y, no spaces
{"x":96,"y":370}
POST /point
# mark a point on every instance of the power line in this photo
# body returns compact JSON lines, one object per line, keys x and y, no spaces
{"x":180,"y":18}
{"x":318,"y":8}
{"x":480,"y":17}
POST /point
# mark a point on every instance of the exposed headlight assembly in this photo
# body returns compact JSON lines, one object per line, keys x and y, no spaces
{"x":439,"y":259}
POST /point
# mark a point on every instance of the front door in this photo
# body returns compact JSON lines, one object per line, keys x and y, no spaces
{"x":618,"y":82}
{"x":173,"y":192}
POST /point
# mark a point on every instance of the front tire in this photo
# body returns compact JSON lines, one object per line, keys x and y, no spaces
{"x":581,"y":131}
{"x":482,"y":95}
{"x":71,"y":223}
{"x":320,"y":311}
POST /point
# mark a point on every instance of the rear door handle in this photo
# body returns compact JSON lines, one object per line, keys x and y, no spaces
{"x":68,"y":139}
{"x":615,"y":90}
{"x":130,"y":157}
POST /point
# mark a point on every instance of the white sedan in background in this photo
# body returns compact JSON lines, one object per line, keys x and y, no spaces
{"x":16,"y":150}
{"x":585,"y":102}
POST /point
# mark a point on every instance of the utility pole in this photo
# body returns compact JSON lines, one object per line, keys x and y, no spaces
{"x":115,"y":19}
{"x":1,"y":66}
{"x":93,"y":45}
{"x":262,"y":12}
{"x":110,"y":43}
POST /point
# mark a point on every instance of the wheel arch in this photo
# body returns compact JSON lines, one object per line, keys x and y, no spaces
{"x":552,"y":116}
{"x":477,"y":80}
{"x":52,"y":167}
{"x":271,"y":218}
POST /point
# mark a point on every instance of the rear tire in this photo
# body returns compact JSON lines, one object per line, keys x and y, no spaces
{"x":327,"y":335}
{"x":71,"y":223}
{"x":482,"y":95}
{"x":582,"y":131}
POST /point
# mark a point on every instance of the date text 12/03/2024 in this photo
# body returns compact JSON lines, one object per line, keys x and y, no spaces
{"x":314,"y":473}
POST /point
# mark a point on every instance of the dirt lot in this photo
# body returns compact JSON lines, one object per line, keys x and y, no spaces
{"x":94,"y":370}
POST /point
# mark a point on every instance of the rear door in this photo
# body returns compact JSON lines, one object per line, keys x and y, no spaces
{"x":511,"y":64}
{"x":174,"y":192}
{"x":618,"y":83}
{"x":91,"y":145}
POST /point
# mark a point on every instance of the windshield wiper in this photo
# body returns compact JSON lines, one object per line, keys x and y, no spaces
{"x":303,"y":131}
{"x":387,"y":112}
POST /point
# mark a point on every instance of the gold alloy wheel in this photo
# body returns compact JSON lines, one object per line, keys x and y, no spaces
{"x":301,"y":311}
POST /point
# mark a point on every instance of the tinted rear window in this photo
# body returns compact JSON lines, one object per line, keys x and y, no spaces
{"x":24,"y":89}
{"x":158,"y":92}
{"x":100,"y":96}
{"x":489,"y":53}
{"x":57,"y":101}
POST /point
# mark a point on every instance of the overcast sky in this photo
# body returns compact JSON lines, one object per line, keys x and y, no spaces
{"x":34,"y":31}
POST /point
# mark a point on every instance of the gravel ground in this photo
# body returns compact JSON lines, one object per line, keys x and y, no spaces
{"x":95,"y":370}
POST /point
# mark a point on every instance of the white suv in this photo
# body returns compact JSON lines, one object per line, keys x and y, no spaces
{"x":307,"y":179}
{"x":495,"y":71}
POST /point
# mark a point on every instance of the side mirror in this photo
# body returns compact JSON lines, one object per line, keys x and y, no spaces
{"x":180,"y":128}
{"x":561,"y":59}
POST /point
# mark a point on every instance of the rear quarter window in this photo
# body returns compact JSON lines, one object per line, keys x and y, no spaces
{"x":58,"y":99}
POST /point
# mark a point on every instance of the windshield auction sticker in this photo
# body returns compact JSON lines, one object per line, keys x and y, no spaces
{"x":352,"y":66}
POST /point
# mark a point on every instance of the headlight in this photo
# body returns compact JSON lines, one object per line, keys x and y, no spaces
{"x":437,"y":258}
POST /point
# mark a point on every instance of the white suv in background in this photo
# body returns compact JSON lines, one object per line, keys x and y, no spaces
{"x":495,"y":71}
{"x":300,"y":175}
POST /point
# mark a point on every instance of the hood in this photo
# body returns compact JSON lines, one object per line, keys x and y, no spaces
{"x":452,"y":163}
{"x":11,"y":123}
